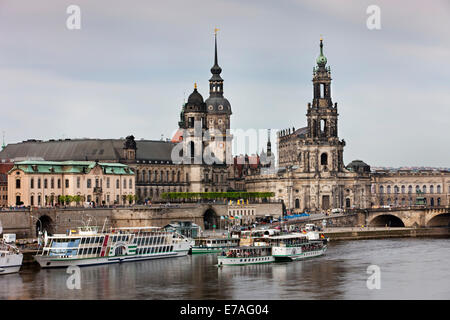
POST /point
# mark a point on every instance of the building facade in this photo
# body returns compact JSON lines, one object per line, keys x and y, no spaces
{"x":402,"y":188}
{"x":43,"y":183}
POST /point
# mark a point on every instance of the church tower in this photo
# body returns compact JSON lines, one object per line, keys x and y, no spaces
{"x":218,"y":114}
{"x":322,"y":118}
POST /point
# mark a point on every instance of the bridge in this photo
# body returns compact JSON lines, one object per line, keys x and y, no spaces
{"x":408,"y":217}
{"x":26,"y":223}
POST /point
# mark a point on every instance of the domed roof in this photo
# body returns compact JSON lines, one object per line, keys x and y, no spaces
{"x":195,"y":102}
{"x":218,"y":104}
{"x":358,"y":166}
{"x":195,"y":98}
{"x":321,"y":60}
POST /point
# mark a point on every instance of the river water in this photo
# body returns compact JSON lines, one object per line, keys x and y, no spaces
{"x":409,"y":269}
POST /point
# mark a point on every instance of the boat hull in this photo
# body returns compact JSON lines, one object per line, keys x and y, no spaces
{"x":54,"y":262}
{"x":11,"y":263}
{"x":240,"y":261}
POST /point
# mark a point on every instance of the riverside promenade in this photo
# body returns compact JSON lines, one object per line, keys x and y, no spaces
{"x":361,"y":233}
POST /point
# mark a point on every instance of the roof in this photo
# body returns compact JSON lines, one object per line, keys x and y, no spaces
{"x":301,"y":132}
{"x":110,"y":150}
{"x":70,"y":167}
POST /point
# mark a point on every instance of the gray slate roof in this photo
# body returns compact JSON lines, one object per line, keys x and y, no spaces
{"x":85,"y":149}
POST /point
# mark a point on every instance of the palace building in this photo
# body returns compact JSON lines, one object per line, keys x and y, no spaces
{"x":43,"y":183}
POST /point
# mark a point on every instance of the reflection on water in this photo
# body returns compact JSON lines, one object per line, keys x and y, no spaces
{"x":410,"y":269}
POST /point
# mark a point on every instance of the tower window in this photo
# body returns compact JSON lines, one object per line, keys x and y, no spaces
{"x":322,"y":90}
{"x":323,"y":125}
{"x":324,"y":159}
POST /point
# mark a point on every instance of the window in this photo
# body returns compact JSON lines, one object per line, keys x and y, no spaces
{"x":410,"y":189}
{"x":32,"y":183}
{"x":438,"y":189}
{"x":117,"y":185}
{"x":78,"y":182}
{"x":388,"y":189}
{"x":89,"y":183}
{"x":67,"y":183}
{"x":403,"y":189}
{"x":424,"y":189}
{"x":52,"y":183}
{"x":39,"y":183}
{"x":107,"y":184}
{"x":431,"y":189}
{"x":130,"y":184}
{"x":395,"y":189}
{"x":324,"y":159}
{"x":381,"y":189}
{"x":124,"y":183}
{"x":32,"y":200}
{"x":59,"y":183}
{"x":45,"y":184}
{"x":18,"y":184}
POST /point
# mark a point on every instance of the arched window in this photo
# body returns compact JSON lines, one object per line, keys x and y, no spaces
{"x":381,"y":189}
{"x":297,"y":203}
{"x":347,"y":203}
{"x":438,"y":201}
{"x":417,"y":189}
{"x":178,"y":176}
{"x":409,"y":189}
{"x":432,"y":202}
{"x":395,"y":189}
{"x":424,"y":189}
{"x":438,"y":189}
{"x":324,"y":159}
{"x":388,"y":189}
{"x":431,"y":189}
{"x":403,"y":189}
{"x":18,"y":184}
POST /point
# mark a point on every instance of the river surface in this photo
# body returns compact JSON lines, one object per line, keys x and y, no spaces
{"x":409,"y":269}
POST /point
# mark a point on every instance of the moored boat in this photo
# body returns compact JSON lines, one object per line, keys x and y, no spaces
{"x":298,"y":246}
{"x":252,"y":250}
{"x":10,"y":258}
{"x":86,"y":246}
{"x":213,"y":245}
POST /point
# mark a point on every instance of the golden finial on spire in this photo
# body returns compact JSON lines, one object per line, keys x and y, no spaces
{"x":215,"y":31}
{"x":195,"y":85}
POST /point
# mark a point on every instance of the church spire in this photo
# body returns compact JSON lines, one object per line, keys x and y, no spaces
{"x":321,"y":60}
{"x":216,"y":70}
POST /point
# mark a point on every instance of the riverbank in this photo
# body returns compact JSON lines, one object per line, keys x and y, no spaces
{"x":363,"y":233}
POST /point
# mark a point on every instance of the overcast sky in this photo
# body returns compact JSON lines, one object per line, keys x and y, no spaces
{"x":129,"y":68}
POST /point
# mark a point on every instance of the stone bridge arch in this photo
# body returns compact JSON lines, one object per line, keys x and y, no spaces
{"x":386,"y":219}
{"x":44,"y":223}
{"x":210,"y":219}
{"x":438,"y":218}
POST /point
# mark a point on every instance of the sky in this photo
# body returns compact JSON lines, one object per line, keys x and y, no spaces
{"x":132,"y":64}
